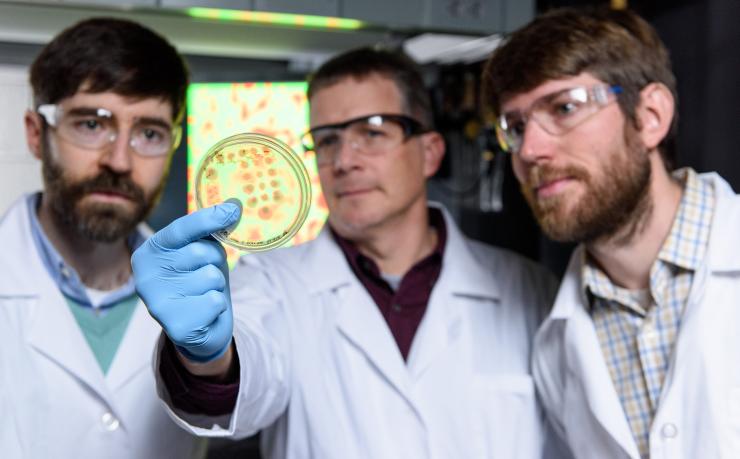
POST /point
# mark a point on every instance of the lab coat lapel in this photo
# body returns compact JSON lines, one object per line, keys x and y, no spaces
{"x":588,"y":375}
{"x":55,"y":334}
{"x":461,"y":276}
{"x":53,"y":331}
{"x":358,"y":318}
{"x":135,"y":352}
{"x":361,"y":322}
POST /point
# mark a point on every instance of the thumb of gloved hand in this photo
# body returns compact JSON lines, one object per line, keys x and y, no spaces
{"x":182,"y":276}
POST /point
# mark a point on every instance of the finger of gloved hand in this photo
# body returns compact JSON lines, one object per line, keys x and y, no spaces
{"x":180,"y":285}
{"x":197,"y":254}
{"x":196,"y":226}
{"x":186,"y":318}
{"x":198,"y":282}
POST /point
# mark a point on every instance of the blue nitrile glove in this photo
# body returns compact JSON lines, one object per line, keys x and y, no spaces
{"x":182,"y":276}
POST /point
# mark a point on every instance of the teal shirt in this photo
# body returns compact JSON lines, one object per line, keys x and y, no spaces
{"x":104,"y":332}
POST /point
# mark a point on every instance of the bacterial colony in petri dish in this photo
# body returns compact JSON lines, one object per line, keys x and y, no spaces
{"x":267,"y":178}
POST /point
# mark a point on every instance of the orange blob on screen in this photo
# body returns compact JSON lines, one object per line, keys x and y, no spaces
{"x":267,"y":178}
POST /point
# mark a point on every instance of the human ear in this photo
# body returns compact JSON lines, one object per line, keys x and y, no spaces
{"x":434,"y":150}
{"x":655,"y":114}
{"x":34,"y":132}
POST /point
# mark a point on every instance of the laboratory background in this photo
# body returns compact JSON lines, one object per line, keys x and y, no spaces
{"x":249,"y":60}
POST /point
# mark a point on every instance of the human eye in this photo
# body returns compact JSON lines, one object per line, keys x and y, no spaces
{"x":325,"y":141}
{"x":567,"y":103}
{"x":513,"y":124}
{"x":371,"y":132}
{"x":377,"y":129}
{"x":154,"y":135}
{"x":88,"y":124}
{"x":88,"y":128}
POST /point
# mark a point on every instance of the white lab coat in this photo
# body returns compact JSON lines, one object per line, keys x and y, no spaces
{"x":322,"y":374}
{"x":699,"y":411}
{"x":55,"y":401}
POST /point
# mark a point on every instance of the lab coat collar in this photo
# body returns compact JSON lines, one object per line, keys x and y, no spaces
{"x":462,"y":272}
{"x":326,"y":268}
{"x":724,"y":251}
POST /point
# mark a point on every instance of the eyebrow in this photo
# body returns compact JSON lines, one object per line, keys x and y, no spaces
{"x":94,"y":111}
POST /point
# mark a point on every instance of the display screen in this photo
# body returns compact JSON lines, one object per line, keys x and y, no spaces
{"x":277,"y":109}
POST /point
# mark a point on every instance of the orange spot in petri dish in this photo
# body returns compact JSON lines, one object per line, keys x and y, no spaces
{"x":252,"y":202}
{"x":274,"y":183}
{"x":277,"y":195}
{"x":211,"y":173}
{"x":262,"y":186}
{"x":255,"y":235}
{"x":249,"y":189}
{"x":243,"y":164}
{"x":247,"y":177}
{"x":242,"y":152}
{"x":265,"y":213}
{"x":268,"y":160}
{"x":230,"y":156}
{"x":271,"y":172}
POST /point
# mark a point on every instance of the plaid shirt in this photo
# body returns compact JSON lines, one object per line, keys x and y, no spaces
{"x":637,"y":329}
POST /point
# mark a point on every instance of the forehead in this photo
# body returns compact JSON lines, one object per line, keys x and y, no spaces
{"x":521,"y":101}
{"x":352,"y":98}
{"x":121,"y":106}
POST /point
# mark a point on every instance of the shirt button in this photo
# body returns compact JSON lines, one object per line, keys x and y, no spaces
{"x":396,"y":307}
{"x":65,"y":272}
{"x":669,"y":430}
{"x":110,"y":423}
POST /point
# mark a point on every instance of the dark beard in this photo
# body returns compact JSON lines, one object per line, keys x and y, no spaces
{"x":611,"y":208}
{"x":99,"y":222}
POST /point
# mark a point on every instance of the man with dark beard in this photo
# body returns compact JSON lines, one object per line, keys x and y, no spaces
{"x":76,"y":340}
{"x":637,"y":358}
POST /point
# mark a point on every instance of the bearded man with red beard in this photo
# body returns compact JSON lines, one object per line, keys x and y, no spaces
{"x":77,"y":341}
{"x":637,"y":356}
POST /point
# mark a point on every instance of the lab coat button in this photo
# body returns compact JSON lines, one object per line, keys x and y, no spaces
{"x":669,"y":430}
{"x":109,"y":422}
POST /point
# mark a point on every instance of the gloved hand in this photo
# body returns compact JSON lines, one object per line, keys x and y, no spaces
{"x":182,"y":276}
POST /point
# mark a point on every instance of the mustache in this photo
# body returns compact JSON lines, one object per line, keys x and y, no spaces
{"x":541,"y":174}
{"x":109,"y":182}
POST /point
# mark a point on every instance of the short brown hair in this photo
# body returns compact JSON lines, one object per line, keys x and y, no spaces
{"x":109,"y":54}
{"x":616,"y":46}
{"x":364,"y":62}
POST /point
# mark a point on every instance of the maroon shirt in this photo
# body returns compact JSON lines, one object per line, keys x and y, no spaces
{"x":402,"y":310}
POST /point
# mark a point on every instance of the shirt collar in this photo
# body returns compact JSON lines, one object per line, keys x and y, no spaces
{"x":64,"y":275}
{"x":363,"y":264}
{"x":687,"y":241}
{"x":684,"y":247}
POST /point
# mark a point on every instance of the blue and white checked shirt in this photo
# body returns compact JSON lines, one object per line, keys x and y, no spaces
{"x":637,"y":329}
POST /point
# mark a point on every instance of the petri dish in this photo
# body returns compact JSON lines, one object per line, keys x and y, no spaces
{"x":267,"y":179}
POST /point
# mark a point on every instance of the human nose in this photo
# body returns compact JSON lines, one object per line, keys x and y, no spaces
{"x":117,"y":156}
{"x":345,"y":156}
{"x":535,"y":144}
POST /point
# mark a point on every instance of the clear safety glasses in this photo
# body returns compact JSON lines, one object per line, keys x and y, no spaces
{"x":96,"y":128}
{"x":556,"y":113}
{"x":369,"y":135}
